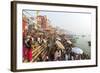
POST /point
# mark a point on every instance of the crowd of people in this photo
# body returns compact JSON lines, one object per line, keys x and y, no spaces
{"x":58,"y":47}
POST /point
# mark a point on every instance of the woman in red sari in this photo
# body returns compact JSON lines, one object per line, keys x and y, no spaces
{"x":29,"y":49}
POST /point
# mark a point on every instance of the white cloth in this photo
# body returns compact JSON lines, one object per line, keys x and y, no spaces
{"x":57,"y":54}
{"x":66,"y":57}
{"x":45,"y":41}
{"x":77,"y":50}
{"x":68,"y":41}
{"x":58,"y":38}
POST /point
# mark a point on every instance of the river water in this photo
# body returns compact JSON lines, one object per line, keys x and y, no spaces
{"x":82,"y":42}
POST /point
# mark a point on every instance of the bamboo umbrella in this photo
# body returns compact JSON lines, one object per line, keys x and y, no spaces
{"x":60,"y":45}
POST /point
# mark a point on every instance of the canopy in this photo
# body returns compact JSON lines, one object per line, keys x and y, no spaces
{"x":77,"y":50}
{"x":60,"y":45}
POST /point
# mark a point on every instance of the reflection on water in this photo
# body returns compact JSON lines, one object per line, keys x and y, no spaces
{"x":82,"y":41}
